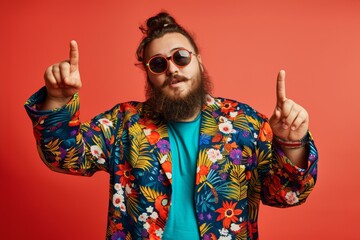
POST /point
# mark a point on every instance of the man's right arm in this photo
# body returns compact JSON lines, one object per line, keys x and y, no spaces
{"x":64,"y":144}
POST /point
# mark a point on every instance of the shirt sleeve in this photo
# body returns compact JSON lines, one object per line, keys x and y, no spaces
{"x":282,"y":183}
{"x":65,"y":144}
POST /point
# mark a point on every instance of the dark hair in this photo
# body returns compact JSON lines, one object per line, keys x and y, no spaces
{"x":156,"y":27}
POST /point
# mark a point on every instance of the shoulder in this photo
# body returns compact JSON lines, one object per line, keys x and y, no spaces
{"x":124,"y":110}
{"x":231,"y":107}
{"x":127,"y":107}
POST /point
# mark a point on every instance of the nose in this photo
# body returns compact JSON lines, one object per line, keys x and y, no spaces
{"x":172,"y":68}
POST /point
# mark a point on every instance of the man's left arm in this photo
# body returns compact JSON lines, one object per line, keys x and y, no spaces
{"x":292,"y":170}
{"x":290,"y":124}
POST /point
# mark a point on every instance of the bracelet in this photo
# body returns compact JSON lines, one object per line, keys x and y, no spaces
{"x":292,"y":144}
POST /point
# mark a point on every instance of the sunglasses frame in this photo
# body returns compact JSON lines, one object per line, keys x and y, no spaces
{"x":171,"y":57}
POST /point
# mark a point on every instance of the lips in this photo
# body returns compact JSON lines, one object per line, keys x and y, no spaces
{"x":174,"y":81}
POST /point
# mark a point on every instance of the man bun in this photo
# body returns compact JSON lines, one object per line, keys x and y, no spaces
{"x":159,"y":21}
{"x":156,"y":27}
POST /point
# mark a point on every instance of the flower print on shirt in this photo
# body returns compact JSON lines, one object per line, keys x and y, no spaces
{"x":226,"y":127}
{"x":164,"y":146}
{"x":291,"y":198}
{"x":209,"y":100}
{"x":106,"y":123}
{"x":143,"y":217}
{"x":105,"y":143}
{"x":125,"y":174}
{"x":118,"y":198}
{"x":266,"y":133}
{"x":96,"y":151}
{"x":228,"y":106}
{"x":228,"y":213}
{"x":236,"y":156}
{"x":214,"y":155}
{"x":201,"y":171}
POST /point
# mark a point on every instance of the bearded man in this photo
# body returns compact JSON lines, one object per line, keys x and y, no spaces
{"x":182,"y":164}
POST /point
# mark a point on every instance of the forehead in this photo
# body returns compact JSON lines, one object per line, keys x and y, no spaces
{"x":166,"y":44}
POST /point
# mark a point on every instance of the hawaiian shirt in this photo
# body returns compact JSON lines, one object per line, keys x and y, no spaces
{"x":237,"y":166}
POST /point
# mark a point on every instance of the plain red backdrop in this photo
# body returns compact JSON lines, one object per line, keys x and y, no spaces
{"x":243,"y":45}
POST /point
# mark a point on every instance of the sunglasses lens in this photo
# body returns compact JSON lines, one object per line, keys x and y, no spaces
{"x":182,"y":57}
{"x":158,"y":64}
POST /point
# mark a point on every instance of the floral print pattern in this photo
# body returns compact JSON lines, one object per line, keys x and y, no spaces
{"x":237,"y":165}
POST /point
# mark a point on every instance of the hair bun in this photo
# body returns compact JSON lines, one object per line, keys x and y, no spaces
{"x":156,"y":27}
{"x":159,"y":21}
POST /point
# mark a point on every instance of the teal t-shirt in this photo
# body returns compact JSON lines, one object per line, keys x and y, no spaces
{"x":184,"y":145}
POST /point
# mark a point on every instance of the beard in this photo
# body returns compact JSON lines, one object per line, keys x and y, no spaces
{"x":172,"y":108}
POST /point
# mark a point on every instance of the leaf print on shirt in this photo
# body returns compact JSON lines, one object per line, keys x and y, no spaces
{"x":237,"y":189}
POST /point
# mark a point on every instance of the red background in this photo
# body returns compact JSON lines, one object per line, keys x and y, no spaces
{"x":243,"y":45}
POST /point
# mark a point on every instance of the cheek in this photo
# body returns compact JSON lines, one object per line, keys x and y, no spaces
{"x":193,"y":71}
{"x":156,"y":80}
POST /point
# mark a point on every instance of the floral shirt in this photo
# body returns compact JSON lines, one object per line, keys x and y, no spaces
{"x":237,"y":166}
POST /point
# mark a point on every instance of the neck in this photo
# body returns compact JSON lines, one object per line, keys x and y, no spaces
{"x":192,"y":118}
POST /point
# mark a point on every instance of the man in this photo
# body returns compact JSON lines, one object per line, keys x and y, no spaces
{"x":183,"y":164}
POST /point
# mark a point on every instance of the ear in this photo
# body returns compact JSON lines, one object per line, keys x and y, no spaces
{"x":200,"y":62}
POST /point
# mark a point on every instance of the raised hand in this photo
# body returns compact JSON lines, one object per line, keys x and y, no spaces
{"x":62,"y":80}
{"x":290,"y":121}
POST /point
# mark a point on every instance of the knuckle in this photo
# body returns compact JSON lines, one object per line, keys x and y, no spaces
{"x":304,"y":114}
{"x":289,"y":102}
{"x":55,"y":68}
{"x":64,"y":65}
{"x":48,"y":72}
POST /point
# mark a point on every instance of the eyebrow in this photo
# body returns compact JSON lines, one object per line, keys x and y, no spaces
{"x":172,"y":50}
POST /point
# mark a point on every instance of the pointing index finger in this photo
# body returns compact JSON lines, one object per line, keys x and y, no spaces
{"x":280,"y":87}
{"x":74,"y":56}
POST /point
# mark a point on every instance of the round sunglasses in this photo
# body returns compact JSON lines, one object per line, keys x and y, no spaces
{"x":159,"y":64}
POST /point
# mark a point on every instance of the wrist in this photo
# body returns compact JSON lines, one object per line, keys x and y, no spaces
{"x":292,"y":144}
{"x":54,"y":102}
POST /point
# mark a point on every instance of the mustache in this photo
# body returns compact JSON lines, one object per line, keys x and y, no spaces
{"x":174,"y":78}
